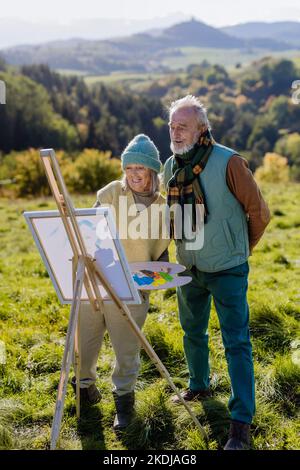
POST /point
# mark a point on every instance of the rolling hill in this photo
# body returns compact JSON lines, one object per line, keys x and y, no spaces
{"x":287,"y":31}
{"x":142,"y":52}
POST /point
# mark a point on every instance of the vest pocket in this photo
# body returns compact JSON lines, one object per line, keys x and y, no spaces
{"x":183,"y":256}
{"x":228,"y":235}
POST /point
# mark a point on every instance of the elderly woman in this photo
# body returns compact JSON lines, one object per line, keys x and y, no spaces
{"x":140,"y":185}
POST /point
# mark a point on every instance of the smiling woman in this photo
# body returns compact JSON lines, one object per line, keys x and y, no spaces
{"x":141,"y":165}
{"x":138,"y":178}
{"x":139,"y":187}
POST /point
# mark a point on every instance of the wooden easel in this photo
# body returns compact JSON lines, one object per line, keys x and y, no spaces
{"x":85,"y":272}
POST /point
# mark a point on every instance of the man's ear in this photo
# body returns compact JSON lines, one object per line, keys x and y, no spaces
{"x":202,"y":130}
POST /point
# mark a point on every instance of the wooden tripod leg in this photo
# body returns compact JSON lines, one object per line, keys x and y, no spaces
{"x":77,"y":364}
{"x":124,"y":310}
{"x":77,"y":356}
{"x":68,"y":353}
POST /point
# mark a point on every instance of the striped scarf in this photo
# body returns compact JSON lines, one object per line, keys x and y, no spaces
{"x":184,"y":186}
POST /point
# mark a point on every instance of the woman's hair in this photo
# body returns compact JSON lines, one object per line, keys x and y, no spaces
{"x":155,"y":182}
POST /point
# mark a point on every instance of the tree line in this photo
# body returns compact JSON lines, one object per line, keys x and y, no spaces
{"x":250,"y":110}
{"x":47,"y":109}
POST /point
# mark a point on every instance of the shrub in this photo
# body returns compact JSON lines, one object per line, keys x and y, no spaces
{"x":289,"y":146}
{"x":274,"y":169}
{"x":91,"y":171}
{"x":26,"y":170}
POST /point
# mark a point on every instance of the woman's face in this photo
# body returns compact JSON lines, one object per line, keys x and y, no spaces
{"x":138,"y":177}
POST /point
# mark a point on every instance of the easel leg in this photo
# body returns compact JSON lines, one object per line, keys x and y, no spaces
{"x":68,"y":353}
{"x":77,"y":356}
{"x":77,"y":363}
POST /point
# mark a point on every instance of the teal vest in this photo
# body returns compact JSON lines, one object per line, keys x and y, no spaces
{"x":226,"y":241}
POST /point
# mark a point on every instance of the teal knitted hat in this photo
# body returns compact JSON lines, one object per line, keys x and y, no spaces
{"x":141,"y":151}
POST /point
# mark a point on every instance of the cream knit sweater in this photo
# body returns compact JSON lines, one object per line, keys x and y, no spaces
{"x":136,"y":248}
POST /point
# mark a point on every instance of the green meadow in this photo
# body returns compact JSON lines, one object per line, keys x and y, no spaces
{"x":33,"y":327}
{"x":186,"y":56}
{"x":226,"y":57}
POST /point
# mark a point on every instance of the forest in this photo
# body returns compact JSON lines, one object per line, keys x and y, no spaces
{"x":250,"y":109}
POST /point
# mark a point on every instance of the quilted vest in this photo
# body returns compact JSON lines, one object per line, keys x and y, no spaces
{"x":226,"y":241}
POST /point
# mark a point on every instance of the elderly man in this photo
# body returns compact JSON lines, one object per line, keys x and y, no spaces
{"x":203,"y":172}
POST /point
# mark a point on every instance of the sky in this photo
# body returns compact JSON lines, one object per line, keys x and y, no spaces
{"x":212,"y":12}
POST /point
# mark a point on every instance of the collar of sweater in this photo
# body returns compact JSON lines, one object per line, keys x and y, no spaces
{"x":143,"y":194}
{"x":139,"y":198}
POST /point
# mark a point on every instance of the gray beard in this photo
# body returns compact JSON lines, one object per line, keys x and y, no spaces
{"x":183,"y":150}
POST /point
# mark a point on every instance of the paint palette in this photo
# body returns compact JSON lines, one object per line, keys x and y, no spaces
{"x":158,"y":275}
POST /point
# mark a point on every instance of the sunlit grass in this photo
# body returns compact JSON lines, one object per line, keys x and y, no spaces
{"x":33,"y":327}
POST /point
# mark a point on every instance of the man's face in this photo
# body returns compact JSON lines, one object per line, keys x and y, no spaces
{"x":184,"y":130}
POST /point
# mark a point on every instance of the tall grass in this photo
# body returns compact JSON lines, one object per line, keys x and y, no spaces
{"x":33,"y":327}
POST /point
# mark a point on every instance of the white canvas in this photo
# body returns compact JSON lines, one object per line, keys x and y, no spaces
{"x":53,"y":243}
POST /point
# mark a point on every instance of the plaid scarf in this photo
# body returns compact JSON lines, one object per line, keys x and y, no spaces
{"x":184,"y":186}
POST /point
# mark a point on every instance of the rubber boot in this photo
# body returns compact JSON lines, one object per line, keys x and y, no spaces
{"x":89,"y":395}
{"x":125,"y":410}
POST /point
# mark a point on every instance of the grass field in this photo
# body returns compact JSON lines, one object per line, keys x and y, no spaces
{"x":121,"y":77}
{"x":132,"y":80}
{"x":229,"y":58}
{"x":226,"y":57}
{"x":33,"y":327}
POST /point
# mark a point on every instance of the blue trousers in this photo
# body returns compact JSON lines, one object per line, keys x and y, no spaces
{"x":229,"y":291}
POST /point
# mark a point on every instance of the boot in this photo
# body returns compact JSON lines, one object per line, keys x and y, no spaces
{"x":125,"y":410}
{"x":89,"y":395}
{"x":239,"y":436}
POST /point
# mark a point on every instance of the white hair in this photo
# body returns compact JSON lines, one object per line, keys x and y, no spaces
{"x":191,"y":101}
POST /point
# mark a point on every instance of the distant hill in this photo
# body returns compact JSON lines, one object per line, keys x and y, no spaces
{"x":142,"y":52}
{"x":13,"y":31}
{"x":197,"y":34}
{"x":287,"y":31}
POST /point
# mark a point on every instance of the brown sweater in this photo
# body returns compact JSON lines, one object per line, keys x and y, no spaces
{"x":243,"y":186}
